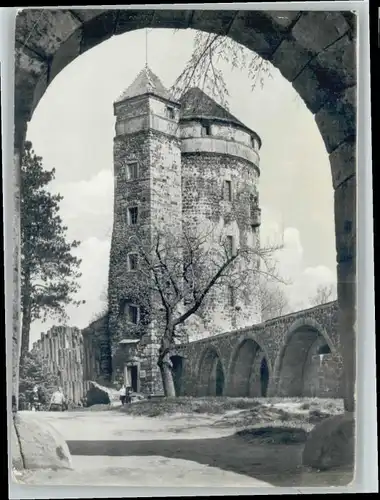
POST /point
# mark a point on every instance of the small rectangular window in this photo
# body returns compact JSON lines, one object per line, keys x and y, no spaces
{"x":230,"y":245}
{"x":132,"y":216}
{"x":132,"y":171}
{"x":133,"y":314}
{"x":206,"y":130}
{"x":253,"y":142}
{"x":231,"y":296}
{"x":132,"y":261}
{"x":227,"y":190}
{"x":170,"y":112}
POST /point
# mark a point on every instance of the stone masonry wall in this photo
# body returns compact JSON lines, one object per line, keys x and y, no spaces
{"x":62,"y":348}
{"x":204,"y":207}
{"x":320,"y":374}
{"x":157,"y":193}
{"x":231,"y":363}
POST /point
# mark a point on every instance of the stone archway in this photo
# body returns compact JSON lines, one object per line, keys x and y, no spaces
{"x":313,"y":50}
{"x":211,"y":374}
{"x":305,"y":366}
{"x":249,"y":373}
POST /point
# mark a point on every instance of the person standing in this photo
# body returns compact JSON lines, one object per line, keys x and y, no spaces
{"x":57,"y":400}
{"x":34,"y":399}
{"x":123,"y":394}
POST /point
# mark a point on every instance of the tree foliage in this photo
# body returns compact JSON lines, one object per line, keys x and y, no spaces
{"x":49,"y":271}
{"x":324,"y":294}
{"x":273,"y":299}
{"x":203,"y":67}
{"x":34,"y":372}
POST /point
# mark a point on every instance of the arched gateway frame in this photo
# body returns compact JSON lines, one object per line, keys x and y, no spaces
{"x":313,"y":50}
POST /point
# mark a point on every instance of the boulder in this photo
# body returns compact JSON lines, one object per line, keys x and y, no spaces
{"x":100,"y":395}
{"x":136,"y":396}
{"x":331,"y":443}
{"x":17,"y":461}
{"x":42,"y":447}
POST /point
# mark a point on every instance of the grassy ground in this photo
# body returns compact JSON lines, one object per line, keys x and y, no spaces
{"x":267,"y":421}
{"x":275,"y":430}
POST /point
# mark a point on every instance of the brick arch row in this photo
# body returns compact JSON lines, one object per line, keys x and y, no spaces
{"x":305,"y":366}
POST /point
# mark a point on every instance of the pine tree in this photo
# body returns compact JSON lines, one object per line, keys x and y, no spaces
{"x":49,"y":271}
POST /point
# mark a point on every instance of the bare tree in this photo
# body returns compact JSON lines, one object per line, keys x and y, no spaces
{"x":274,"y":301}
{"x":324,"y":294}
{"x":202,"y":69}
{"x":176,"y":273}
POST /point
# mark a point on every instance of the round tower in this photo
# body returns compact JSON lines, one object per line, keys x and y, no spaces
{"x":220,"y":173}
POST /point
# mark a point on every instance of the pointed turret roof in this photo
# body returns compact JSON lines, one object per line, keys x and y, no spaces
{"x":146,"y":82}
{"x":197,"y":104}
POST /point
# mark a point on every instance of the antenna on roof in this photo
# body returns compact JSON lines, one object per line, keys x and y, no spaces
{"x":146,"y":47}
{"x":282,"y":230}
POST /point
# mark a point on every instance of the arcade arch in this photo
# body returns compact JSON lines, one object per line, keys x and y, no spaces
{"x":249,"y":372}
{"x":211,"y":374}
{"x":304,"y":367}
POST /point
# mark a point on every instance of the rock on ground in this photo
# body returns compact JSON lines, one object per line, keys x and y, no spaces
{"x":42,"y":447}
{"x":99,"y":395}
{"x":331,"y":443}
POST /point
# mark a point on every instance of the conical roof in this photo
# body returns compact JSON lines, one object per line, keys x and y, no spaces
{"x":195,"y":103}
{"x":146,"y":82}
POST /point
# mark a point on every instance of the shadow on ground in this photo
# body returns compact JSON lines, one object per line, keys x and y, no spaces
{"x":279,"y":465}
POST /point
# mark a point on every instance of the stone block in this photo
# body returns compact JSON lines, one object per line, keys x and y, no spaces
{"x":345,"y":220}
{"x":128,"y":20}
{"x":44,"y":30}
{"x":284,"y":19}
{"x":98,"y":29}
{"x":257,"y":32}
{"x":327,"y":75}
{"x":343,"y":162}
{"x":331,"y":443}
{"x":211,"y":20}
{"x":337,"y":63}
{"x":336,"y":120}
{"x":29,"y":69}
{"x":42,"y":447}
{"x":85,"y":15}
{"x":315,"y":30}
{"x":313,"y":91}
{"x":66,"y":53}
{"x":290,"y":58}
{"x":172,"y":19}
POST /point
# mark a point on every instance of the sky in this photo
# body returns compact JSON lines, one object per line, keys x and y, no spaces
{"x":73,"y":128}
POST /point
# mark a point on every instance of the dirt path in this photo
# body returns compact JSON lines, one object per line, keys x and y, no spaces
{"x":179,"y":449}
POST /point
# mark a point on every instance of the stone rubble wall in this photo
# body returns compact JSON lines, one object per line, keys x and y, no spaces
{"x":62,"y":349}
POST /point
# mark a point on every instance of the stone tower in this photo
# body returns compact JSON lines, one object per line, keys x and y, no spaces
{"x":147,"y":193}
{"x":220,"y":172}
{"x":187,"y":166}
